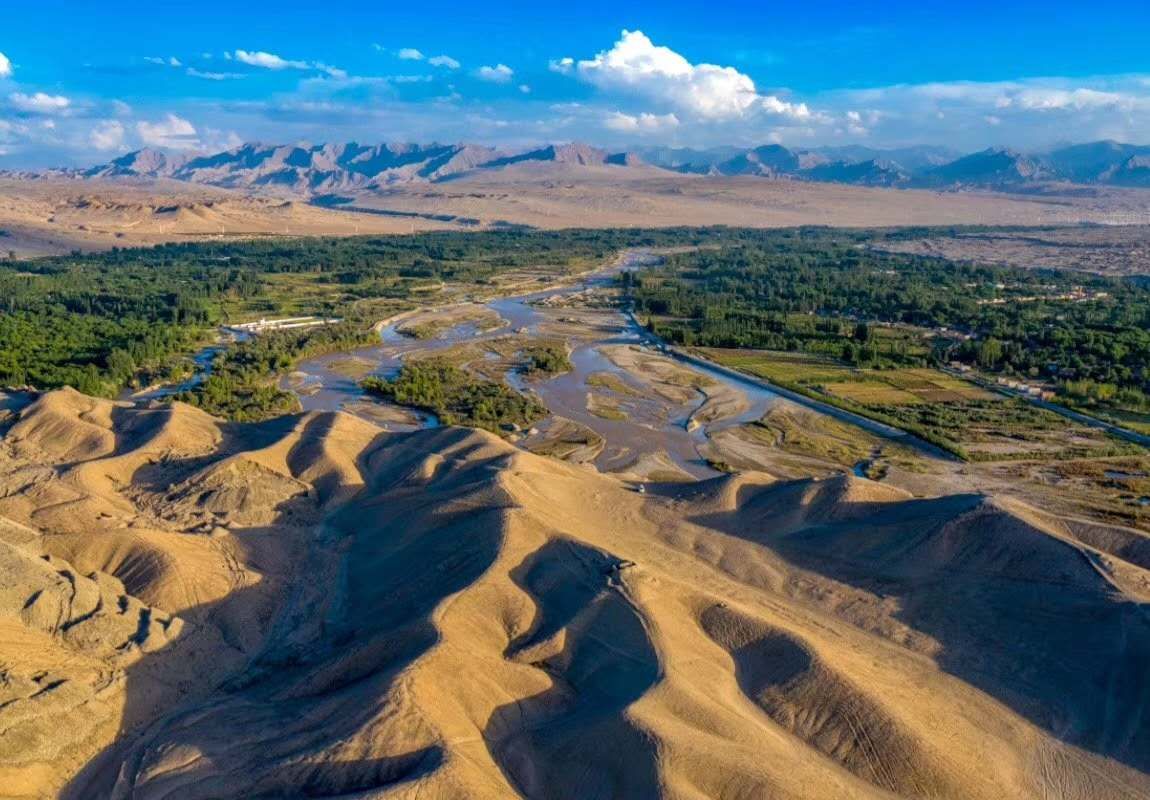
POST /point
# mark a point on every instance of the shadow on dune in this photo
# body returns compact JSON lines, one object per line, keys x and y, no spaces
{"x":1025,"y":617}
{"x":292,"y":721}
{"x":341,"y":778}
{"x":574,"y":740}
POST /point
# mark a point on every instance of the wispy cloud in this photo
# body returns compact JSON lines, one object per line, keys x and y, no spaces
{"x":409,"y":54}
{"x":443,"y":61}
{"x":212,"y":76}
{"x":259,"y":58}
{"x":271,"y":61}
{"x":1024,"y":112}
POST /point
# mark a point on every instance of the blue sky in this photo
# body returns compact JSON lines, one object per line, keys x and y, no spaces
{"x":82,"y":82}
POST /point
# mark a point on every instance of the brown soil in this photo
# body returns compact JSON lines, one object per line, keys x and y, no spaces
{"x":311,"y":607}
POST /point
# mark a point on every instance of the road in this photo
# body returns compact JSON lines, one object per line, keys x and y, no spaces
{"x":1076,"y":416}
{"x":867,"y":424}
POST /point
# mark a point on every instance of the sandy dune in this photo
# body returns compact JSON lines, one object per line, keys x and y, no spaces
{"x":309,"y":607}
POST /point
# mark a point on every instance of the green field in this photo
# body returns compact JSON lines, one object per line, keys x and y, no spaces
{"x":899,"y":386}
{"x":819,"y":293}
{"x":954,"y":414}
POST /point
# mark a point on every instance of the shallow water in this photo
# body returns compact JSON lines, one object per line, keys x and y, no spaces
{"x":653,"y":424}
{"x":1117,"y":474}
{"x":202,"y":359}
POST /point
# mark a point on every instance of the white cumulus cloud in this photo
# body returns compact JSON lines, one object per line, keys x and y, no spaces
{"x":5,"y":66}
{"x":500,"y":73}
{"x":639,"y":123}
{"x":564,"y":66}
{"x":107,"y":135}
{"x":635,"y":65}
{"x":410,"y":54}
{"x":171,"y":132}
{"x":39,"y":103}
{"x":443,"y":61}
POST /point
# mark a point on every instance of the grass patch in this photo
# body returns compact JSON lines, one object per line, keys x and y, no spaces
{"x":1131,"y":420}
{"x":436,"y":322}
{"x":612,"y":383}
{"x":949,"y":412}
{"x":354,"y":368}
{"x":608,"y":412}
{"x":1007,"y":430}
{"x":421,"y":332}
{"x":779,"y":367}
{"x":879,"y":387}
{"x":807,"y":434}
{"x":873,"y":393}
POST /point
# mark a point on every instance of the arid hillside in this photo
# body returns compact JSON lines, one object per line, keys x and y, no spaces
{"x":49,"y":217}
{"x":1107,"y":250}
{"x":311,"y":607}
{"x":42,"y":216}
{"x":566,"y":195}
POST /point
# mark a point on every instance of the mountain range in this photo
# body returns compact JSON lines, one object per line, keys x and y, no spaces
{"x":319,"y":169}
{"x":326,"y":168}
{"x":1106,"y":163}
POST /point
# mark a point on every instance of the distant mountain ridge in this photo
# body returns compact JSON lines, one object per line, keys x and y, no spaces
{"x":326,"y":168}
{"x":340,"y":167}
{"x":993,"y":167}
{"x":1097,"y":163}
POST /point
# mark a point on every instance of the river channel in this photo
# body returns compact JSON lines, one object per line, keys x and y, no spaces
{"x":652,"y":424}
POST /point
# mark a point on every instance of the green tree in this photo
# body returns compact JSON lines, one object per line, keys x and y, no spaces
{"x":989,"y":353}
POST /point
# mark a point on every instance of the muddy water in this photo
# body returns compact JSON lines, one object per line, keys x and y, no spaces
{"x":653,"y":424}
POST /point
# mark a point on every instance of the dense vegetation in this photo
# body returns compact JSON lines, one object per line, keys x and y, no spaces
{"x":240,"y":384}
{"x":106,"y":321}
{"x":546,"y":359}
{"x":824,"y":292}
{"x":96,"y":330}
{"x":456,"y":396}
{"x":126,"y":318}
